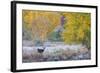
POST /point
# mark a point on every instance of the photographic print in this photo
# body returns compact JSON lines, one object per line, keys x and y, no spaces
{"x":56,"y":36}
{"x":47,"y":36}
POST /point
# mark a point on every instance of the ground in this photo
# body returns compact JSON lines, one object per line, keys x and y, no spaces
{"x":55,"y":52}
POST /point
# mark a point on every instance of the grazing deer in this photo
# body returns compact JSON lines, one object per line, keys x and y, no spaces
{"x":41,"y":50}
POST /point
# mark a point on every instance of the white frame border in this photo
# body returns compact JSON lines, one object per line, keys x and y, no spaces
{"x":36,"y":65}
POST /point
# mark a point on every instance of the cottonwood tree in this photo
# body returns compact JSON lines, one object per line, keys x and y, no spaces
{"x":77,"y":29}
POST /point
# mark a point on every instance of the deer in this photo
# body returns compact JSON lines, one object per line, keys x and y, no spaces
{"x":41,"y":50}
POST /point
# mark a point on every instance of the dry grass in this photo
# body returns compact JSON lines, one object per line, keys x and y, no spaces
{"x":61,"y":54}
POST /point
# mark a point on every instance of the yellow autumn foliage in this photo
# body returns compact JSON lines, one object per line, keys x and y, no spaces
{"x":41,"y":22}
{"x":76,"y":27}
